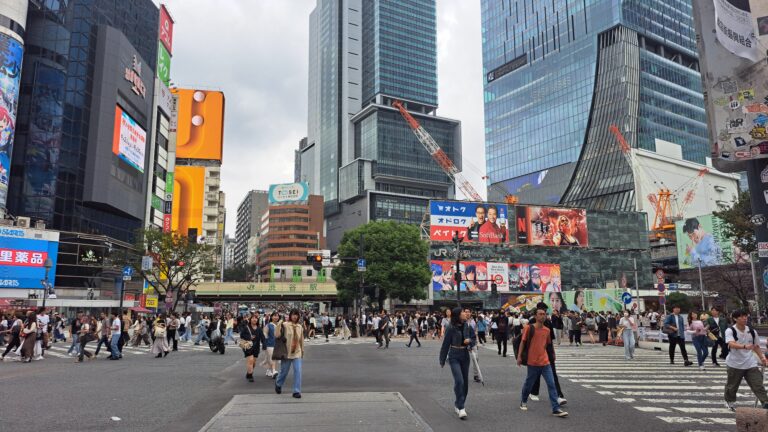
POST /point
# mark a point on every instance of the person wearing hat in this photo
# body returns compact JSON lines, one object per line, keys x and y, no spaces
{"x":458,"y":341}
{"x":551,"y":355}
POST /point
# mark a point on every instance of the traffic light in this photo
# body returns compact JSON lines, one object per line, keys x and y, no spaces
{"x":316,"y":260}
{"x":180,"y":263}
{"x":457,"y":278}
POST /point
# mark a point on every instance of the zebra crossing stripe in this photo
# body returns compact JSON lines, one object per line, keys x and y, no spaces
{"x":702,"y":421}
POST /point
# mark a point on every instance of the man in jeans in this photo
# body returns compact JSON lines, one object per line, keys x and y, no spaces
{"x":103,"y":334}
{"x":116,"y":330}
{"x":742,"y":360}
{"x":536,"y":337}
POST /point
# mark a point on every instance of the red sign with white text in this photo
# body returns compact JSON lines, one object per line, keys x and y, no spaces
{"x":166,"y":223}
{"x":165,"y":32}
{"x":22,"y":258}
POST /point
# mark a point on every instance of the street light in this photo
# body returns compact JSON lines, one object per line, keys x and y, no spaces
{"x":701,"y":287}
{"x":48,"y":264}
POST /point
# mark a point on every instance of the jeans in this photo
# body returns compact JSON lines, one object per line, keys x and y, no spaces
{"x":104,"y":340}
{"x":285,"y":367}
{"x":229,"y":336}
{"x":677,"y":340}
{"x":58,"y":335}
{"x":702,"y":351}
{"x":171,"y":336}
{"x":534,"y":373}
{"x":481,"y":337}
{"x":459,"y":362}
{"x":537,"y":384}
{"x":83,"y":352}
{"x":114,"y":344}
{"x":628,"y":336}
{"x":754,"y":379}
{"x":75,"y":344}
{"x":201,"y":335}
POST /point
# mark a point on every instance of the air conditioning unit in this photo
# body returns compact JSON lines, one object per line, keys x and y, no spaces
{"x":40,"y":225}
{"x":23,"y":222}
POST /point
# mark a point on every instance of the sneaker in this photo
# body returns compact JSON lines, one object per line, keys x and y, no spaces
{"x":534,"y":398}
{"x":702,"y":368}
{"x":278,"y":389}
{"x":688,"y":363}
{"x":562,"y":401}
{"x":456,"y":410}
{"x":523,"y":406}
{"x":559,"y":413}
{"x":730,"y":406}
{"x":297,"y":395}
{"x":462,"y":414}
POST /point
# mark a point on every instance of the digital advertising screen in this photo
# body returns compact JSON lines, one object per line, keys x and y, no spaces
{"x":130,"y":140}
{"x":552,"y":226}
{"x":478,"y":276}
{"x":10,"y":75}
{"x":586,"y":300}
{"x":535,"y":277}
{"x":475,"y":222}
{"x":22,"y":259}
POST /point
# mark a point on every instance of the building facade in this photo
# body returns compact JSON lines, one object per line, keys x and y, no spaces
{"x":560,"y":74}
{"x":88,"y":70}
{"x":229,"y":252}
{"x":360,"y":155}
{"x":249,"y":214}
{"x":288,"y":232}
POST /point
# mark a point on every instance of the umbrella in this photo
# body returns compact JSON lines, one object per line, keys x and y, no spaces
{"x":473,"y":356}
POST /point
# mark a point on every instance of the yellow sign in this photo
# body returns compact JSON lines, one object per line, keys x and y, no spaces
{"x":267,"y":288}
{"x":150,"y":302}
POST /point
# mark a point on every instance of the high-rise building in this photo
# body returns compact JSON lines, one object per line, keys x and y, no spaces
{"x":81,"y":156}
{"x":249,"y":213}
{"x":361,"y":155}
{"x":297,"y":160}
{"x":229,"y":252}
{"x":560,"y":73}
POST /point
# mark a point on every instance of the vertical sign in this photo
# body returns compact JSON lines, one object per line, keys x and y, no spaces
{"x":10,"y":75}
{"x":163,"y":64}
{"x":165,"y":32}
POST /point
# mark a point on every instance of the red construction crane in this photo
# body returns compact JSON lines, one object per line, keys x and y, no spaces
{"x":438,"y":154}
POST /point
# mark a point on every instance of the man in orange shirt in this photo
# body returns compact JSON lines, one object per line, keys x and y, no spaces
{"x":533,"y":353}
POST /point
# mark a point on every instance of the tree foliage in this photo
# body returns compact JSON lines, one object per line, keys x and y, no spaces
{"x":396,"y":262}
{"x":168,"y":250}
{"x":679,"y":299}
{"x":242,"y":273}
{"x":738,"y":224}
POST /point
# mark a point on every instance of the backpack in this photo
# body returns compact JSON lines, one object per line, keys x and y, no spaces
{"x":526,"y":344}
{"x":736,"y":336}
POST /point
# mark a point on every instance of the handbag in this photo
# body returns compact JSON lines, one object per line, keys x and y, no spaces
{"x":280,"y":352}
{"x":527,"y":343}
{"x":711,"y":336}
{"x":246,"y":345}
{"x":159,"y":331}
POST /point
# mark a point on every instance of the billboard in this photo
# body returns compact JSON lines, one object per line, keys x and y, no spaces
{"x":586,"y":300}
{"x":129,"y":141}
{"x":703,"y":238}
{"x":188,"y":194}
{"x":200,"y":124}
{"x":22,"y":257}
{"x":10,"y":75}
{"x":552,"y":226}
{"x":475,"y":222}
{"x":165,"y":29}
{"x":535,"y":277}
{"x":288,"y":193}
{"x":522,"y":302}
{"x":479,"y":275}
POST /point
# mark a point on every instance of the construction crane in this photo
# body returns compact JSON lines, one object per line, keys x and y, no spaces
{"x":438,"y":154}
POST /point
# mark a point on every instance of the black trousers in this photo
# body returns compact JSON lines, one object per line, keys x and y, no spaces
{"x":724,"y":352}
{"x":501,"y":339}
{"x":481,"y":337}
{"x":414,"y":337}
{"x":15,"y":343}
{"x":537,"y":383}
{"x":172,"y":338}
{"x":574,"y":336}
{"x":677,"y":340}
{"x":124,"y":337}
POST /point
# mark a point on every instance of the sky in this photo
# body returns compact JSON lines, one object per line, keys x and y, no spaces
{"x":256,"y":52}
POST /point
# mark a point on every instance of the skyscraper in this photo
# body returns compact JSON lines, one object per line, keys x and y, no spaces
{"x":248,"y":225}
{"x":360,"y":154}
{"x":560,"y":73}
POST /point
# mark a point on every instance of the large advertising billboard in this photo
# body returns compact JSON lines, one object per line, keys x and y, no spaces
{"x":130,"y":140}
{"x":475,"y":222}
{"x":535,"y":277}
{"x":188,"y":194}
{"x":702,"y":240}
{"x":10,"y":75}
{"x":200,"y":124}
{"x":552,"y":226}
{"x":22,"y":257}
{"x":478,"y":276}
{"x":288,"y":193}
{"x":586,"y":300}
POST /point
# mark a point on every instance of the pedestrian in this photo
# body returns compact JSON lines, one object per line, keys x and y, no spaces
{"x":15,"y":332}
{"x":445,"y":322}
{"x":699,"y":338}
{"x":251,"y":340}
{"x":202,"y":330}
{"x":116,"y":333}
{"x":602,"y":328}
{"x":557,"y":326}
{"x":172,"y":325}
{"x":125,"y":338}
{"x":612,"y":324}
{"x":653,"y":318}
{"x":292,"y":333}
{"x":43,"y":321}
{"x":326,"y":323}
{"x":230,"y":328}
{"x":29,"y":337}
{"x":141,"y":333}
{"x":551,"y":356}
{"x":533,"y":354}
{"x":187,"y":334}
{"x":591,"y":327}
{"x":58,"y":328}
{"x":458,"y":339}
{"x":345,"y":332}
{"x":575,"y":334}
{"x":269,"y":345}
{"x":384,"y":324}
{"x":87,"y":334}
{"x":717,"y":325}
{"x":502,"y":332}
{"x":102,"y":330}
{"x":742,"y":361}
{"x":74,"y":333}
{"x":627,"y":336}
{"x":567,"y":327}
{"x":160,"y":345}
{"x":674,"y":326}
{"x":494,"y":326}
{"x":413,"y":329}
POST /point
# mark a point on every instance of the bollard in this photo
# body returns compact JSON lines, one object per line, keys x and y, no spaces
{"x":751,"y":420}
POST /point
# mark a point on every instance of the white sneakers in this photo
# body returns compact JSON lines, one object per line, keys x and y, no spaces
{"x":462,"y":414}
{"x":561,"y":401}
{"x":534,"y":398}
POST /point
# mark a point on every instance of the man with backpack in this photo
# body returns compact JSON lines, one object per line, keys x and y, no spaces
{"x":742,"y":361}
{"x":502,"y":332}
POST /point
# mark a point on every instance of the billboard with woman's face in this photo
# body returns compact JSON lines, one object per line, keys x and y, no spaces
{"x":552,"y":226}
{"x":10,"y":76}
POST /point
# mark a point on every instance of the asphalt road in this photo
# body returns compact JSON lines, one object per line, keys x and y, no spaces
{"x":185,"y":390}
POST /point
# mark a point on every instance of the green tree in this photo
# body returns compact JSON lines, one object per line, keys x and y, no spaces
{"x":738,"y":224}
{"x":169,"y":251}
{"x":679,"y":299}
{"x":396,"y":263}
{"x":243,"y":273}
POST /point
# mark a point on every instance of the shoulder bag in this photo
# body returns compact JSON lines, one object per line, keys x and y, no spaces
{"x":159,"y":331}
{"x":280,"y":352}
{"x":246,"y":345}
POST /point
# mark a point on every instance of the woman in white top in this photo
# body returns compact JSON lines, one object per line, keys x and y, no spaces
{"x":628,"y":335}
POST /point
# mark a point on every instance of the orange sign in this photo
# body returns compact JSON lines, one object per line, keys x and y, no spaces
{"x":188,"y":191}
{"x":200,"y":129}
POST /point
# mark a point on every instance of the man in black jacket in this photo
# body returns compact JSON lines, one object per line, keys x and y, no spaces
{"x":557,"y":326}
{"x":502,"y":332}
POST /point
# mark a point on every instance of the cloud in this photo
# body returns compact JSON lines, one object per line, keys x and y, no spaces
{"x":256,"y":52}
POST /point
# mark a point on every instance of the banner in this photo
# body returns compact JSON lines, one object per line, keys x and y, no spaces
{"x":586,"y":300}
{"x":552,"y":226}
{"x":474,"y":276}
{"x":474,"y":222}
{"x":478,"y":276}
{"x":735,"y":30}
{"x":703,"y":238}
{"x":522,"y":302}
{"x":535,"y":277}
{"x":10,"y":77}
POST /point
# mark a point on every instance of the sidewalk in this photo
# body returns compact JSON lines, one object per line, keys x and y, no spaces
{"x":318,"y":412}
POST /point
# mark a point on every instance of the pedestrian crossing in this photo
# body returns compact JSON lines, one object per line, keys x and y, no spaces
{"x":59,"y":350}
{"x":682,"y":396}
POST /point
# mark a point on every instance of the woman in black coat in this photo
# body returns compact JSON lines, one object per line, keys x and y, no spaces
{"x":251,"y":341}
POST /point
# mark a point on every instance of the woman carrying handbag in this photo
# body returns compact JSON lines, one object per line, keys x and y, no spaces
{"x":251,"y":339}
{"x":160,"y":345}
{"x":289,"y":348}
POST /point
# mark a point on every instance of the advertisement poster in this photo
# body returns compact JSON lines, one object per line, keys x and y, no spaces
{"x":535,"y":277}
{"x":474,"y":276}
{"x":23,"y":255}
{"x":10,"y":75}
{"x":289,"y":193}
{"x":165,"y":28}
{"x":163,"y":64}
{"x":703,"y":239}
{"x":552,"y":226}
{"x":522,"y":302}
{"x":130,"y":140}
{"x":478,"y":276}
{"x":474,"y":222}
{"x":586,"y":300}
{"x":499,"y":273}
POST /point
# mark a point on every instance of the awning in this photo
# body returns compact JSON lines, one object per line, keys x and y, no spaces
{"x":140,"y":310}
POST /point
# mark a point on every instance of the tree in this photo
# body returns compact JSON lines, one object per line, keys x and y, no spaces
{"x":738,"y":223}
{"x":178,"y":264}
{"x":242,"y":273}
{"x":732,"y":281}
{"x":679,"y":299}
{"x":396,"y":262}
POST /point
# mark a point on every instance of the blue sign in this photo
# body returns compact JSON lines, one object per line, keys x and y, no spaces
{"x":626,"y":298}
{"x":361,"y":263}
{"x":127,"y":271}
{"x":22,"y":262}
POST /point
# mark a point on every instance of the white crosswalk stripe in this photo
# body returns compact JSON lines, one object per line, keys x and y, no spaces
{"x":678,"y":395}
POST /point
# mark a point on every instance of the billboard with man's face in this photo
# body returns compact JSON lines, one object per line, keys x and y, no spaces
{"x":474,"y":222}
{"x":552,"y":226}
{"x":702,"y":240}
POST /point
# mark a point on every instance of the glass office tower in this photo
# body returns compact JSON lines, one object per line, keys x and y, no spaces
{"x":560,"y":73}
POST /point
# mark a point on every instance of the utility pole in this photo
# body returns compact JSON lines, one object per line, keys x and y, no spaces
{"x":701,"y":287}
{"x":637,"y":287}
{"x":360,"y":253}
{"x":457,"y":276}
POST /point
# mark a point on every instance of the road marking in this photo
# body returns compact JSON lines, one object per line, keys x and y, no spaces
{"x":55,"y":354}
{"x":650,"y":387}
{"x":702,"y":410}
{"x":624,"y":400}
{"x":630,"y":381}
{"x":681,"y":394}
{"x":651,"y":409}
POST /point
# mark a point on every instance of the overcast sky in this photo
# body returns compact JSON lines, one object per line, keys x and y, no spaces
{"x":256,"y":52}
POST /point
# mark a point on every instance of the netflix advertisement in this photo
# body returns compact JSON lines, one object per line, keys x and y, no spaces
{"x":552,"y":226}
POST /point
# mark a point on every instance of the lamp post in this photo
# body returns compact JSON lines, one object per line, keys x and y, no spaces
{"x":48,"y":264}
{"x":701,"y":286}
{"x":457,"y":241}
